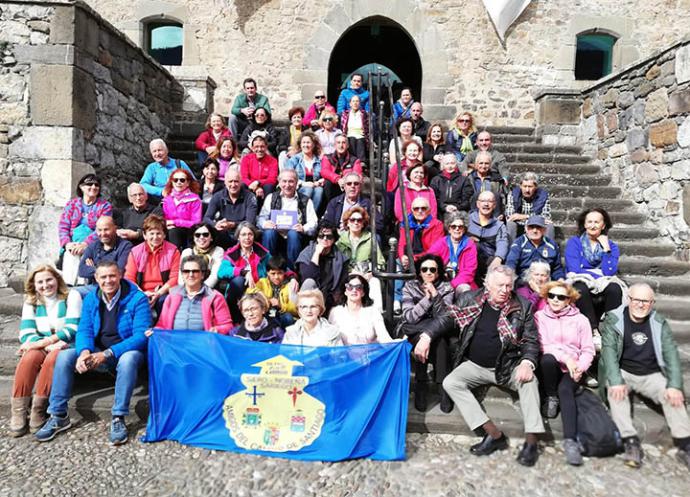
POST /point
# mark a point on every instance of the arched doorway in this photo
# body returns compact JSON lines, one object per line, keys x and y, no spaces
{"x":380,"y":41}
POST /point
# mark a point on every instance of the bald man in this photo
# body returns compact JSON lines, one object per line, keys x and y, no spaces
{"x":108,"y":247}
{"x":499,"y":164}
{"x":639,"y":355}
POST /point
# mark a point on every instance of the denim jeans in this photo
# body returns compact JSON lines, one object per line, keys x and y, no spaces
{"x":314,"y":193}
{"x":272,"y":239}
{"x":125,"y":367}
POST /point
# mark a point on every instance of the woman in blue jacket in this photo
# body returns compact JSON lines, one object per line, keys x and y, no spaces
{"x":307,"y":164}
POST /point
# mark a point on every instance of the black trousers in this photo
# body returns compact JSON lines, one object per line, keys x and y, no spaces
{"x":559,"y":384}
{"x":358,"y":148}
{"x":594,"y":306}
{"x":440,"y":348}
{"x":179,"y":237}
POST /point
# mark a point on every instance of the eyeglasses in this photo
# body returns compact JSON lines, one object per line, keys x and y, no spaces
{"x":420,"y":209}
{"x":352,"y":183}
{"x":179,"y":180}
{"x":327,"y":119}
{"x":355,"y":220}
{"x":641,"y":301}
{"x":464,"y":120}
{"x":92,"y":184}
{"x":428,"y":269}
{"x":202,"y":234}
{"x":457,"y":226}
{"x":557,"y":296}
{"x":319,"y":96}
{"x":308,"y":307}
{"x":326,"y":236}
{"x":353,"y":288}
{"x":191,"y":271}
{"x":251,"y":310}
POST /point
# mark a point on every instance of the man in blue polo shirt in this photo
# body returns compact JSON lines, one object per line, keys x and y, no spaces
{"x":157,"y":172}
{"x":534,"y":246}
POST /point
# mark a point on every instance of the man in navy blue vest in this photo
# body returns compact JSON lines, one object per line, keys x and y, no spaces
{"x":110,"y":338}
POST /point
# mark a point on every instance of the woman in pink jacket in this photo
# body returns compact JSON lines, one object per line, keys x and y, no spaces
{"x":193,"y":305}
{"x":416,"y":186}
{"x":182,"y":206}
{"x":566,"y":342}
{"x":458,"y":252}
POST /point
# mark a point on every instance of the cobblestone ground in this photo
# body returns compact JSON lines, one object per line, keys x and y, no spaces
{"x":81,"y":462}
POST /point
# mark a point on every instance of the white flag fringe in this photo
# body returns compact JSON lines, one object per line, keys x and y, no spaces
{"x":503,"y":13}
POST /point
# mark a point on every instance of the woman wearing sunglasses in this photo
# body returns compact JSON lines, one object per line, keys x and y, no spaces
{"x":462,"y":139}
{"x":203,"y":243}
{"x":327,"y":132}
{"x":567,"y":353}
{"x":193,"y":305}
{"x":358,"y":320}
{"x":182,"y":206}
{"x":426,"y":324}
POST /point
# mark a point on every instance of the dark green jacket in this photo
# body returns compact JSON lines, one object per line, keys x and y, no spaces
{"x":612,"y":348}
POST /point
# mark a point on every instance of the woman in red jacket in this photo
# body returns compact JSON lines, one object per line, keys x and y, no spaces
{"x":259,"y":169}
{"x":208,"y":139}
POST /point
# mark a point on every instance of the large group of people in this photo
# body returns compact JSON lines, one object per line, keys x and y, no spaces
{"x":274,"y":243}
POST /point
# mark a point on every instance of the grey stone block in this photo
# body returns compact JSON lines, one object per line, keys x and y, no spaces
{"x":636,"y":138}
{"x":559,"y":111}
{"x":86,"y":32}
{"x":44,"y":54}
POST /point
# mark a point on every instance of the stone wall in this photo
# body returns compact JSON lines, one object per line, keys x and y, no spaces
{"x":287,"y":44}
{"x":77,"y":96}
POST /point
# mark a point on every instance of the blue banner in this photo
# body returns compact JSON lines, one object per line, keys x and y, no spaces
{"x":310,"y":403}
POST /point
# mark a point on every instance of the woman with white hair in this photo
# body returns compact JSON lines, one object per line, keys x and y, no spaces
{"x":157,"y":172}
{"x":533,"y":280}
{"x":311,"y":328}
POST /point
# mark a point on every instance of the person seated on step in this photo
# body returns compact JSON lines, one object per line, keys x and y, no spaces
{"x":209,"y":182}
{"x":416,"y":186}
{"x":499,"y":163}
{"x":77,"y":225}
{"x":158,"y":172}
{"x":336,"y":165}
{"x":427,"y":325}
{"x":462,"y":138}
{"x":131,"y":219}
{"x":280,"y":288}
{"x":312,"y":329}
{"x":287,"y":218}
{"x":107,"y":247}
{"x":355,"y":88}
{"x":535,"y":246}
{"x":260,"y":124}
{"x":498,"y":344}
{"x":312,"y":118}
{"x":405,"y":132}
{"x":532,"y":281}
{"x":525,"y":200}
{"x":257,"y":324}
{"x":639,"y":355}
{"x":425,"y":229}
{"x":328,"y":132}
{"x":229,"y":207}
{"x":458,"y":252}
{"x":482,"y":180}
{"x":351,"y":197}
{"x":435,"y":149}
{"x":591,"y":264}
{"x":214,"y":130}
{"x":289,"y":145}
{"x":412,"y":154}
{"x":181,"y":207}
{"x":245,"y":105}
{"x":453,"y":191}
{"x":490,"y":235}
{"x":259,"y":169}
{"x":322,"y":265}
{"x":202,"y":242}
{"x":193,"y":305}
{"x":420,"y":126}
{"x":50,"y":316}
{"x":565,"y":337}
{"x":403,"y":106}
{"x":111,"y":339}
{"x":355,"y":123}
{"x":242,"y":266}
{"x":307,"y":164}
{"x":227,"y":155}
{"x":154,"y":265}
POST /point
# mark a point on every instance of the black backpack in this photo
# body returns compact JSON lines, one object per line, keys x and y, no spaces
{"x":596,"y":431}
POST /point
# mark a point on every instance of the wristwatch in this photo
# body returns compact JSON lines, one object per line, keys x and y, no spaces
{"x":108,"y":353}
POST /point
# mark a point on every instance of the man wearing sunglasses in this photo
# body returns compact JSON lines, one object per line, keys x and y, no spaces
{"x":534,"y":246}
{"x":638,"y":354}
{"x":498,"y":344}
{"x":322,"y":265}
{"x":313,"y":114}
{"x":352,"y":196}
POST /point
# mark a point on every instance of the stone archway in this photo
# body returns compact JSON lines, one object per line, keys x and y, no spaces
{"x":375,"y":40}
{"x":406,"y":14}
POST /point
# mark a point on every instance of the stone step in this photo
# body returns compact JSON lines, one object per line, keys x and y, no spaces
{"x":673,"y":286}
{"x":581,"y":203}
{"x":618,"y":232}
{"x":564,"y":190}
{"x":548,"y":158}
{"x":646,"y":249}
{"x":560,"y":182}
{"x":678,"y":309}
{"x":653,"y":267}
{"x":536,"y":148}
{"x":505,"y":140}
{"x":622,"y":217}
{"x":552,"y":168}
{"x":510,"y":130}
{"x":10,"y":302}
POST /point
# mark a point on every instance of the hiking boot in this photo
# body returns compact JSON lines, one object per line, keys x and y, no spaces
{"x":550,"y":407}
{"x":53,"y":426}
{"x":633,"y":452}
{"x":573,"y":455}
{"x":38,"y":413}
{"x":19,"y":408}
{"x":118,"y":431}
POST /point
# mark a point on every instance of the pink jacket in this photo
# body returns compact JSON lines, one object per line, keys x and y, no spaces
{"x":410,"y":195}
{"x":214,"y":311}
{"x":184,"y":209}
{"x":565,"y":335}
{"x":312,"y":114}
{"x":467,"y":261}
{"x":206,"y":139}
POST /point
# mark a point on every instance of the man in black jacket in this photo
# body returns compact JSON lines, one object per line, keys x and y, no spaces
{"x":498,"y":344}
{"x":229,"y":207}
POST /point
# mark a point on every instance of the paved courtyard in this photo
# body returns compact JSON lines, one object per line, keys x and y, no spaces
{"x":80,"y":462}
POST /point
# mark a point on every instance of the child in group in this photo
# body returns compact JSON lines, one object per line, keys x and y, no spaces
{"x":280,"y":288}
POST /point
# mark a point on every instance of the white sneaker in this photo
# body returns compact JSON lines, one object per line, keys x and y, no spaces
{"x":397,"y":307}
{"x":596,"y":338}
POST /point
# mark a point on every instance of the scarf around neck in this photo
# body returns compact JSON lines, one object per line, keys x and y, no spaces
{"x":465,"y":316}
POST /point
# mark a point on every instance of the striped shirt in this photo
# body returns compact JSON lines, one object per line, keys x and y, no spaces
{"x":54,"y":316}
